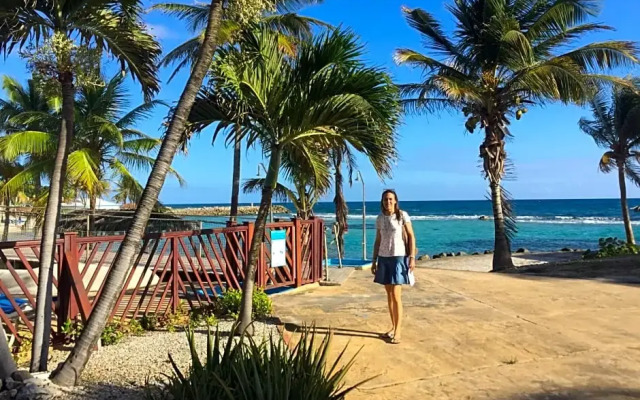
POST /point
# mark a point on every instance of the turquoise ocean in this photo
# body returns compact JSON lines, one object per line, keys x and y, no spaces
{"x":452,"y":226}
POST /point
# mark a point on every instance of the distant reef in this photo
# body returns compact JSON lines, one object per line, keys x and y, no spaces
{"x":221,"y":211}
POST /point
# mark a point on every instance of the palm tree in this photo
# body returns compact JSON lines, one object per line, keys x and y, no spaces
{"x":503,"y":56}
{"x":616,"y":126}
{"x":27,"y":104}
{"x":105,"y":148}
{"x":340,"y":156}
{"x":7,"y":197}
{"x":296,"y":108}
{"x":283,"y":19}
{"x":107,"y":25}
{"x":69,"y":372}
{"x":304,"y":194}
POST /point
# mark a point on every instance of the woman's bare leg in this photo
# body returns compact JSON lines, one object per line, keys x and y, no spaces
{"x":396,"y":292}
{"x":389,"y":290}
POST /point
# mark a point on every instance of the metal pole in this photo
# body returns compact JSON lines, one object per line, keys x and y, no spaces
{"x":364,"y":221}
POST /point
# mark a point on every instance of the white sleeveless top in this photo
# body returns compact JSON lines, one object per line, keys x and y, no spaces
{"x":391,"y":243}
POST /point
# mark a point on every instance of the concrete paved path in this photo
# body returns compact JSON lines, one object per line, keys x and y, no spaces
{"x":472,"y":335}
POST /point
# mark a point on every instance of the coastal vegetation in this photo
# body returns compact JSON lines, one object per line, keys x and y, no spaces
{"x":503,"y":57}
{"x":300,"y":92}
{"x":616,"y":127}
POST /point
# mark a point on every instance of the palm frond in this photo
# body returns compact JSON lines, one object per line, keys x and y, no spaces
{"x":608,"y":162}
{"x":82,"y":169}
{"x":26,"y":143}
{"x":141,"y":112}
{"x":280,"y":192}
{"x":195,"y":15}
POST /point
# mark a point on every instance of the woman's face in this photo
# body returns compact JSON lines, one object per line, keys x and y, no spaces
{"x":389,"y":202}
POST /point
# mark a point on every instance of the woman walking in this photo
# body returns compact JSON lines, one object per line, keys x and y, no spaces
{"x":393,"y":257}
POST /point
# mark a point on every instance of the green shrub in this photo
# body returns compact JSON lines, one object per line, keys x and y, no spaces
{"x":134,"y":327}
{"x":204,"y":315}
{"x":149,"y":322}
{"x":612,"y":247}
{"x":72,"y":330}
{"x":246,"y":370}
{"x":112,"y":333}
{"x":230,"y":302}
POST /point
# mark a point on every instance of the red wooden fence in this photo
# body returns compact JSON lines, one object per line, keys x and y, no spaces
{"x":192,"y":267}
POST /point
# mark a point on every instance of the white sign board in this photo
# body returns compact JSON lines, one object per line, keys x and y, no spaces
{"x":278,"y":248}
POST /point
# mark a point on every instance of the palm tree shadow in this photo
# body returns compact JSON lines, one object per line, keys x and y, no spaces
{"x":579,"y":394}
{"x":336,"y":331}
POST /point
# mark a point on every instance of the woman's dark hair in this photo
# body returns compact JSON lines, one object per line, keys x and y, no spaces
{"x":397,"y":210}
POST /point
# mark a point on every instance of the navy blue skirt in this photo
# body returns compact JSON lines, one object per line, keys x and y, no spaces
{"x":392,"y":271}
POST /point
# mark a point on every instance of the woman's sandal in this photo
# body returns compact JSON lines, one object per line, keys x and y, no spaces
{"x":395,"y":340}
{"x":388,"y":335}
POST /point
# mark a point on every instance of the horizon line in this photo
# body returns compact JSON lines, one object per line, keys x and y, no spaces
{"x":257,"y":203}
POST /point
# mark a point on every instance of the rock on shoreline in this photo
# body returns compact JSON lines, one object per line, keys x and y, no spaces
{"x":221,"y":211}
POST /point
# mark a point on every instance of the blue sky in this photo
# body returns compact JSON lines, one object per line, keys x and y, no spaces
{"x":552,"y":158}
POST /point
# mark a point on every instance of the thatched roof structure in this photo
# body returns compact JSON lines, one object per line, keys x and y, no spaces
{"x":108,"y":221}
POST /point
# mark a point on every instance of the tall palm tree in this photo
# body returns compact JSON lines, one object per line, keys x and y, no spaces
{"x":503,"y":56}
{"x":106,"y":146}
{"x":25,"y":109}
{"x":296,"y":108}
{"x":71,"y":371}
{"x":8,"y":170}
{"x":340,"y":156}
{"x":616,"y":126}
{"x":282,"y":19}
{"x":107,"y":25}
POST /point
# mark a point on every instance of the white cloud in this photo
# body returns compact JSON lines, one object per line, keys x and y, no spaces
{"x":161,"y":31}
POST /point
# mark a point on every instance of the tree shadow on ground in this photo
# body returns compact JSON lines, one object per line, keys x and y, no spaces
{"x":579,"y":394}
{"x":621,"y":270}
{"x":336,"y":331}
{"x":109,"y":391}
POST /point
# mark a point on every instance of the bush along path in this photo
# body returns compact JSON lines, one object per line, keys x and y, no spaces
{"x":135,"y":352}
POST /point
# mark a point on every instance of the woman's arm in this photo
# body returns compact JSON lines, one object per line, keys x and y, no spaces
{"x":412,"y":245}
{"x":376,"y":246}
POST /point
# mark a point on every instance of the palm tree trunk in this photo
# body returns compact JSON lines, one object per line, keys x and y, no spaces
{"x":7,"y":364}
{"x":340,"y":204}
{"x":623,"y":204}
{"x":42,"y":332}
{"x":70,"y":372}
{"x":494,"y":156}
{"x":235,"y":186}
{"x":502,"y":248}
{"x":7,"y":217}
{"x":248,"y":284}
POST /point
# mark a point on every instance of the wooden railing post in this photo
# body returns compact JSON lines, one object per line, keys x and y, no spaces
{"x":68,"y":307}
{"x":297,"y":251}
{"x":247,"y":246}
{"x":175,"y":299}
{"x":321,"y":257}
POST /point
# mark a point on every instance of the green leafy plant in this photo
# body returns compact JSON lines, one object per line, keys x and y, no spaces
{"x":245,"y":369}
{"x":230,"y":302}
{"x":174,"y":321}
{"x":149,"y":322}
{"x":133,"y":327}
{"x":112,"y":333}
{"x":22,"y":355}
{"x":204,"y":315}
{"x":612,"y":247}
{"x":72,"y":329}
